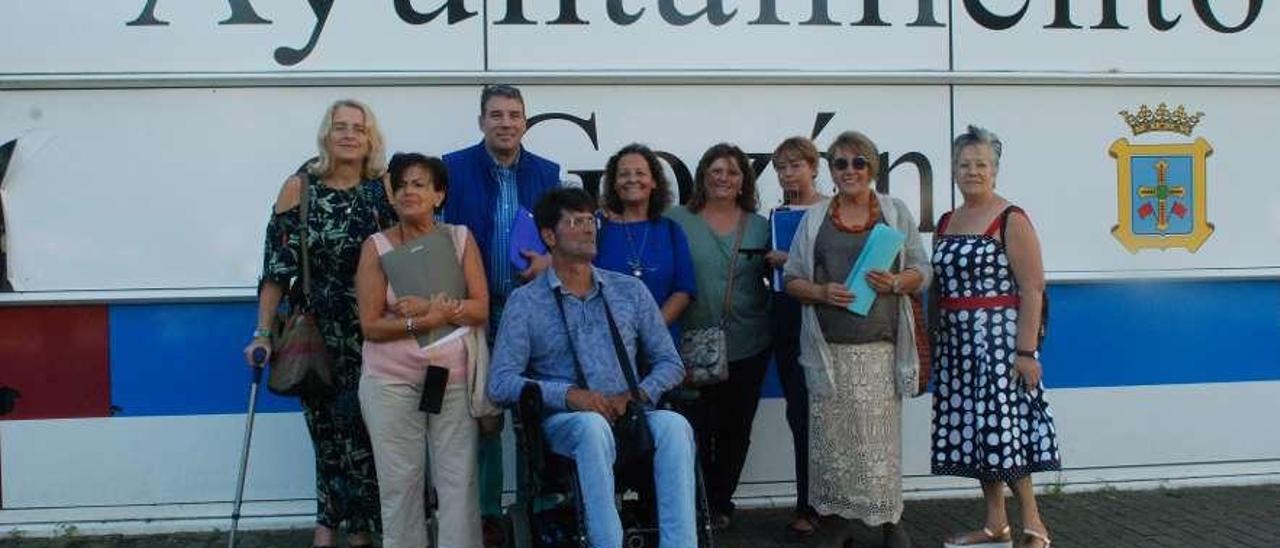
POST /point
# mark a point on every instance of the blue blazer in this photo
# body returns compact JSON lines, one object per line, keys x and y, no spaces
{"x":473,"y":189}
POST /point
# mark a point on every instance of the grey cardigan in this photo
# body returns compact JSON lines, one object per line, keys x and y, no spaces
{"x":814,"y":355}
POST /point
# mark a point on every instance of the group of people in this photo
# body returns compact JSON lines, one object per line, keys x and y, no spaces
{"x":597,"y":318}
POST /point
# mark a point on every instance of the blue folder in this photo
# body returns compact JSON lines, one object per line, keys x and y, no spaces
{"x":524,"y":237}
{"x":784,"y":221}
{"x":882,"y":247}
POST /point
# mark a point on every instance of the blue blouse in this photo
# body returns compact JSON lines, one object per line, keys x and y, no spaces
{"x":655,"y":251}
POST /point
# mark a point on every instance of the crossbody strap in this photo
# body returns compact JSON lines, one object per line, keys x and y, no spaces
{"x":733,"y":269}
{"x":621,"y":350}
{"x":1044,"y":296}
{"x":618,"y":348}
{"x":304,"y":207}
{"x":573,"y":349}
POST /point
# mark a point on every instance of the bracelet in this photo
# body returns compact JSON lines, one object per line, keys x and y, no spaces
{"x":1026,"y":353}
{"x":261,"y":333}
{"x":409,"y":327}
{"x":897,"y":285}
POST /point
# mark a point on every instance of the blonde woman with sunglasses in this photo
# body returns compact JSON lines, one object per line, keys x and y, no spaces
{"x":854,"y":365}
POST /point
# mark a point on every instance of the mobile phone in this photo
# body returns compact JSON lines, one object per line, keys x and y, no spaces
{"x":433,"y":389}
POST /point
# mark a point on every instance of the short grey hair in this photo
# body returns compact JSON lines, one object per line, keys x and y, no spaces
{"x":499,"y":90}
{"x":974,"y":136}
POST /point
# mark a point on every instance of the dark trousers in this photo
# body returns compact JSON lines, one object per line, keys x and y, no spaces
{"x":786,"y":355}
{"x":722,"y":426}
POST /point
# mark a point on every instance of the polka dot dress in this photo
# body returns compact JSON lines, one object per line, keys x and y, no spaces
{"x":986,"y":425}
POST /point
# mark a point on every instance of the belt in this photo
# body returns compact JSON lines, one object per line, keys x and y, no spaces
{"x":970,"y":303}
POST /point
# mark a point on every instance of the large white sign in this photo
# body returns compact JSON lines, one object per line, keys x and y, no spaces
{"x":171,"y":189}
{"x":1058,"y":165}
{"x":245,"y":36}
{"x":718,"y":35}
{"x":148,"y":37}
{"x":1111,"y":36}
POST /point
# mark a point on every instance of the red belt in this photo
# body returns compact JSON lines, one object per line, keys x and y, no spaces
{"x":970,"y":303}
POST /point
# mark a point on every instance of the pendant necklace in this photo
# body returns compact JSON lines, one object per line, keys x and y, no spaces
{"x":350,"y":195}
{"x":635,"y":257}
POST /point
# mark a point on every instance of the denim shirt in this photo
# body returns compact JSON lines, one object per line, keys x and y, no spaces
{"x":533,"y":344}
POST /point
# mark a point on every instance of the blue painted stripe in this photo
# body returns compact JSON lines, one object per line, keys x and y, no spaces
{"x":183,"y":359}
{"x":1107,"y":334}
{"x":1145,"y":333}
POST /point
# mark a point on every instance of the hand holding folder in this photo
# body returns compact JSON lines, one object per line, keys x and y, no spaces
{"x":784,"y":222}
{"x":426,"y":268}
{"x":883,"y":246}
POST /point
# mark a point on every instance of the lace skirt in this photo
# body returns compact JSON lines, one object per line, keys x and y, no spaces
{"x":855,"y":437}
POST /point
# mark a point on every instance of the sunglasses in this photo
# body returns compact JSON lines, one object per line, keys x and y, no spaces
{"x":501,"y":89}
{"x":858,"y":162}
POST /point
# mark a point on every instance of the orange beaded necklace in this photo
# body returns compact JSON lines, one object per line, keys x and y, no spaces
{"x":873,"y":215}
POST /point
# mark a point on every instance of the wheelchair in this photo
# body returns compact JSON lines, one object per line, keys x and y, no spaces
{"x":548,"y":511}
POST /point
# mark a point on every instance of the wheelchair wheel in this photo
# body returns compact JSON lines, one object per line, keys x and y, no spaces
{"x":579,"y":510}
{"x":706,"y":533}
{"x":519,"y":531}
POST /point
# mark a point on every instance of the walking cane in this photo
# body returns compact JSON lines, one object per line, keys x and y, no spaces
{"x":259,"y":357}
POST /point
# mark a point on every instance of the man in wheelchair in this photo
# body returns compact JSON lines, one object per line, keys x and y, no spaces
{"x":575,"y":331}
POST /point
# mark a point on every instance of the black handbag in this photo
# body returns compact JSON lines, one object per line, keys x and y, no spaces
{"x":632,"y":438}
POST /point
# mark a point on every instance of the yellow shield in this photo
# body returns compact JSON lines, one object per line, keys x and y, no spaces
{"x":1161,"y":195}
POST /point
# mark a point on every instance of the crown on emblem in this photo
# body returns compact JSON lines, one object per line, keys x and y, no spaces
{"x":1161,"y":119}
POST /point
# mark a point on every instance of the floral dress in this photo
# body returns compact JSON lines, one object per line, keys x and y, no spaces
{"x":338,"y":221}
{"x":986,"y":424}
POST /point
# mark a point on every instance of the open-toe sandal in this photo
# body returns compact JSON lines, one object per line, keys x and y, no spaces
{"x":1031,"y":536}
{"x":985,"y":538}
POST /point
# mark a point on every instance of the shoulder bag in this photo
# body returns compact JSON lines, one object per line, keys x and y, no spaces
{"x":705,"y":351}
{"x":300,"y":364}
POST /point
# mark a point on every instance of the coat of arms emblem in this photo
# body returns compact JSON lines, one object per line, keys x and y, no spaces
{"x":1161,"y":188}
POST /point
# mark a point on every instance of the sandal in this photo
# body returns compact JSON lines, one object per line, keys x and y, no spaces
{"x":1030,"y":535}
{"x":985,"y":538}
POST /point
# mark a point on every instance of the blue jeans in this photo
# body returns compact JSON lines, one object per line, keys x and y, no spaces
{"x":587,"y":438}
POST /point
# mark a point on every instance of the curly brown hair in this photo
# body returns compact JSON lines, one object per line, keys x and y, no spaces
{"x":659,"y":199}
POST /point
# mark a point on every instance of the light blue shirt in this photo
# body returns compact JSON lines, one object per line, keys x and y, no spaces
{"x":533,"y":345}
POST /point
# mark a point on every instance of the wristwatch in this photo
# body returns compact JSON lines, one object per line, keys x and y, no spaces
{"x":897,"y":285}
{"x":1025,"y":353}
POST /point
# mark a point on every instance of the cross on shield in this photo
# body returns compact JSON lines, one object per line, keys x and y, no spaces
{"x":1161,"y":195}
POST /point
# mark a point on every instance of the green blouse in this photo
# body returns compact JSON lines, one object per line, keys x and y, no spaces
{"x":747,"y":331}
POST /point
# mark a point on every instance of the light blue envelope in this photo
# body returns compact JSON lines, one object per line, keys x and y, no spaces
{"x":882,"y":247}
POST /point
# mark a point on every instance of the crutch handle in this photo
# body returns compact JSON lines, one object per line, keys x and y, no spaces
{"x":259,"y":363}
